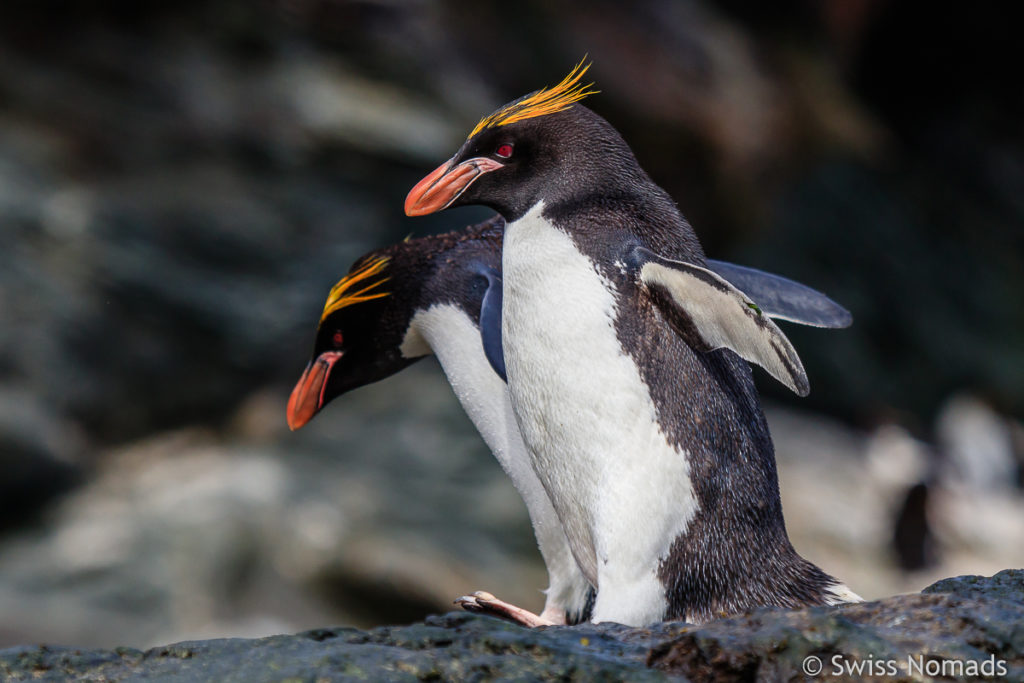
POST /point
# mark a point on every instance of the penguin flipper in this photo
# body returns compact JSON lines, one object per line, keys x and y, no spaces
{"x":710,"y":313}
{"x":490,"y":320}
{"x":782,"y":298}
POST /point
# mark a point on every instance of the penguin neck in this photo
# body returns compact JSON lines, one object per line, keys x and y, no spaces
{"x":579,"y":172}
{"x":565,"y":193}
{"x":614,"y":212}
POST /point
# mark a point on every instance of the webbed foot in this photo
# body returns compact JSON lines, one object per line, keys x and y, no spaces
{"x":482,"y":602}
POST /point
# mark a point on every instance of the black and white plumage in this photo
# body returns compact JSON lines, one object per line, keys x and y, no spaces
{"x":442,"y":295}
{"x":641,"y":422}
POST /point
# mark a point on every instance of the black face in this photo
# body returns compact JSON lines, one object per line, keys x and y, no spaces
{"x":355,"y":345}
{"x":368,"y":337}
{"x":510,"y":168}
{"x":360,"y":340}
{"x":527,"y":158}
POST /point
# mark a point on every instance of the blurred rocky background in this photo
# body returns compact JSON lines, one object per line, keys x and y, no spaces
{"x":181,"y":183}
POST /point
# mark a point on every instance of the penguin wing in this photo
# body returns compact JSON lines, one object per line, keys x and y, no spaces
{"x":490,"y":320}
{"x":782,"y":298}
{"x":709,"y":313}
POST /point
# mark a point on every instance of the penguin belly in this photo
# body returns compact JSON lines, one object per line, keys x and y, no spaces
{"x":622,"y":492}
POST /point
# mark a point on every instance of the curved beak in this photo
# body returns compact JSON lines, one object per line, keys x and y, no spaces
{"x":308,"y":395}
{"x":444,"y":185}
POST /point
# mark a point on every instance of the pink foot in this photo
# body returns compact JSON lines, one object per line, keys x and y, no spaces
{"x":485,"y":603}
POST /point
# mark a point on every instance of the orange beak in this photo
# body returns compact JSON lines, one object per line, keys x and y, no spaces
{"x":444,"y":185}
{"x":308,"y":395}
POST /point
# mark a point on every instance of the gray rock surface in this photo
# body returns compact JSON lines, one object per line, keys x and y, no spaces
{"x":955,"y":625}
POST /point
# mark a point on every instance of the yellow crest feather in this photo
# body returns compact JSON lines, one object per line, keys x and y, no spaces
{"x":342,"y":295}
{"x":543,"y":102}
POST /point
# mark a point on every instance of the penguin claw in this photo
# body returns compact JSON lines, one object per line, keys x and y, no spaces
{"x":468,"y":603}
{"x":482,"y":602}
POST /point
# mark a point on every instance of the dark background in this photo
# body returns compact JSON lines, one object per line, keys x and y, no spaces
{"x":181,"y":183}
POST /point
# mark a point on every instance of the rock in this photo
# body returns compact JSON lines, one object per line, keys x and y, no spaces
{"x":955,"y":627}
{"x":966,"y":619}
{"x":455,"y":646}
{"x":1006,"y":585}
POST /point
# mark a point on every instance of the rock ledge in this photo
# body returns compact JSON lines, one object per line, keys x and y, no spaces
{"x":961,"y":628}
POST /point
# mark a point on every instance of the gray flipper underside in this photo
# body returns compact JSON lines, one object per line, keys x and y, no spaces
{"x":713,"y":314}
{"x":782,"y":298}
{"x":490,"y":321}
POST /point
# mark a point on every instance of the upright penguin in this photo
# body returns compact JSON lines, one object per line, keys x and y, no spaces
{"x":624,"y":357}
{"x":441,"y":294}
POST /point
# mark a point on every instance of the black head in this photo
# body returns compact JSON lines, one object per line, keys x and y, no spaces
{"x":541,"y":146}
{"x":360,"y":333}
{"x":368,"y":314}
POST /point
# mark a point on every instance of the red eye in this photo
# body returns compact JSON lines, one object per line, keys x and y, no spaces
{"x":338,"y":338}
{"x":504,"y":151}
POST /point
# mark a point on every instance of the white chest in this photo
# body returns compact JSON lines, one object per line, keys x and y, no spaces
{"x":622,"y":491}
{"x":450,"y":333}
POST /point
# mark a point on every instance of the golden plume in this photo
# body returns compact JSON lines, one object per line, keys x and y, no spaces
{"x":541,"y":103}
{"x":341,"y":294}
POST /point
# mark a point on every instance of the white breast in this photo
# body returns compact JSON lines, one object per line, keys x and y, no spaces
{"x":455,"y":339}
{"x":622,"y":491}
